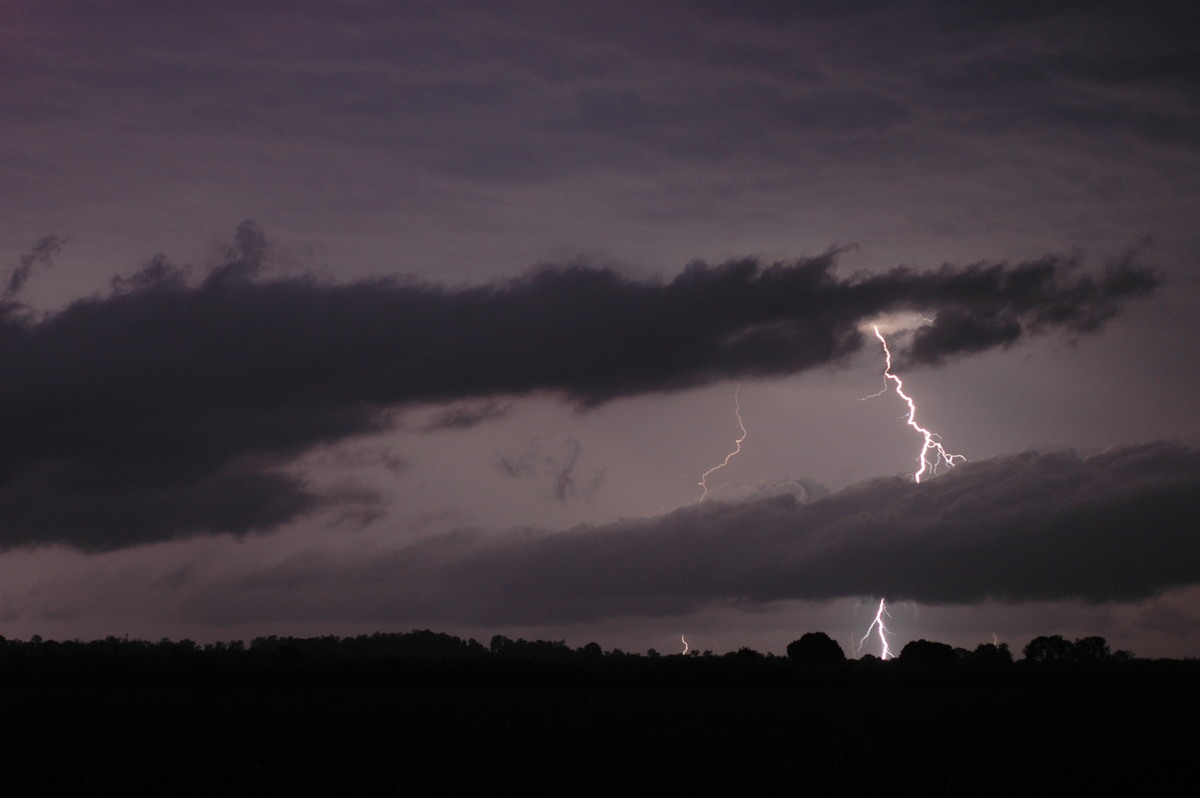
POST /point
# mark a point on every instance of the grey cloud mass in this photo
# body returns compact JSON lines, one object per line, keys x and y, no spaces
{"x":128,"y":413}
{"x":1116,"y":526}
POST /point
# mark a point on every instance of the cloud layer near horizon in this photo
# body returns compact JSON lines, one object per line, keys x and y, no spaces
{"x":168,"y":406}
{"x":1117,"y":526}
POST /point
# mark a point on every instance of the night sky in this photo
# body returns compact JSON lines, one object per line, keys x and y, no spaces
{"x":342,"y":317}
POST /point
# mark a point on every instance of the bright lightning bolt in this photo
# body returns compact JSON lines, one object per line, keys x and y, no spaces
{"x":878,"y":624}
{"x":932,"y":453}
{"x":737,"y":411}
{"x":932,"y":446}
{"x":685,"y":644}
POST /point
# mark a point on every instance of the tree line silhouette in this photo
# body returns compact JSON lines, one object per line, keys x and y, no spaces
{"x":427,"y":656}
{"x":425,"y":713}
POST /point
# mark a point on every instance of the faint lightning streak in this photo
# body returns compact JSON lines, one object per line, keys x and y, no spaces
{"x":879,"y":624}
{"x":737,"y":411}
{"x":932,"y":444}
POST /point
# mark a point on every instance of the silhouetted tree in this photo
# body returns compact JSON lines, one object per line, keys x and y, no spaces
{"x":536,"y":650}
{"x":815,"y":647}
{"x":927,"y":651}
{"x":1054,"y":648}
{"x":1092,"y":649}
{"x":592,"y":651}
{"x":991,"y":654}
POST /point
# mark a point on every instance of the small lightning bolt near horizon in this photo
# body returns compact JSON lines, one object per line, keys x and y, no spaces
{"x":932,"y":442}
{"x":878,"y":623}
{"x":737,"y":411}
{"x":685,"y":644}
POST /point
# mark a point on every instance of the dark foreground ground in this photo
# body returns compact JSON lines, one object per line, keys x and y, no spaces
{"x":815,"y":737}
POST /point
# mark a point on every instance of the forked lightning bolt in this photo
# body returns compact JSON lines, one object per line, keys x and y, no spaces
{"x":932,"y":443}
{"x":737,"y":411}
{"x":879,"y":624}
{"x":931,"y":455}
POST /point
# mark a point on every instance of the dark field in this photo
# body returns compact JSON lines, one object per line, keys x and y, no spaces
{"x":815,"y":738}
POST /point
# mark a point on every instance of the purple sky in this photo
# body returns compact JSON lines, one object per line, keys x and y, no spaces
{"x":353,"y":316}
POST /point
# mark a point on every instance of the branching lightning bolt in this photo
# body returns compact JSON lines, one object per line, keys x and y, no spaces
{"x":931,"y":455}
{"x":878,"y":623}
{"x":932,"y":452}
{"x":737,"y":411}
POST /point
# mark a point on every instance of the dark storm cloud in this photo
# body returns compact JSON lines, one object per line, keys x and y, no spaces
{"x":166,"y":384}
{"x":1116,"y":526}
{"x":1028,"y":300}
{"x":96,"y":506}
